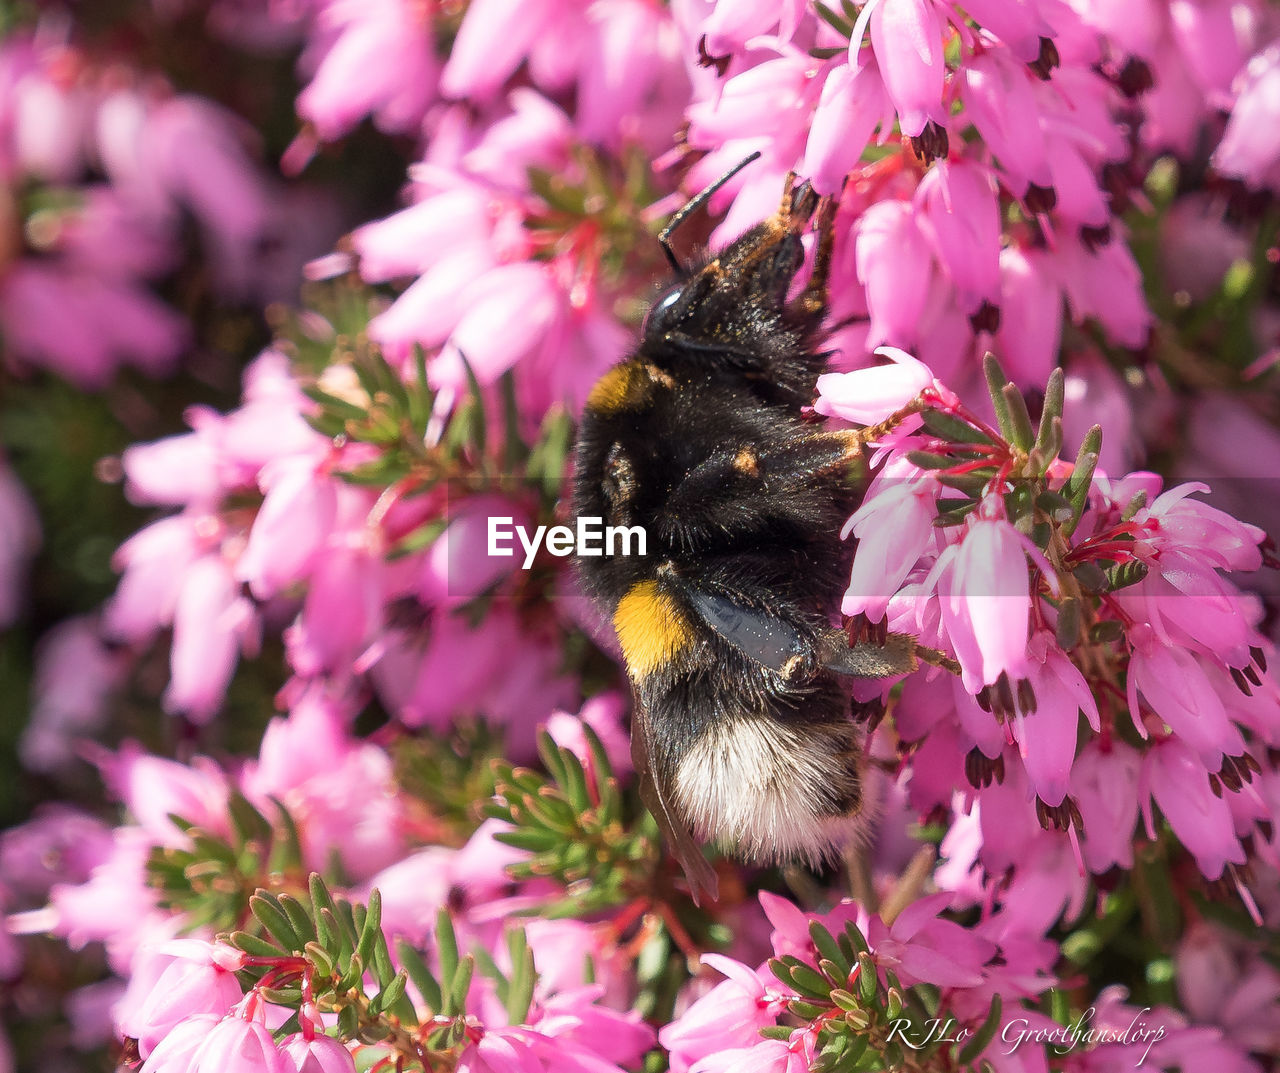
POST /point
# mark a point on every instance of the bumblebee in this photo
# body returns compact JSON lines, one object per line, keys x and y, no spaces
{"x":742,"y":729}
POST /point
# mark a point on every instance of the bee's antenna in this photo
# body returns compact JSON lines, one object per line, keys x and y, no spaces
{"x":664,"y":236}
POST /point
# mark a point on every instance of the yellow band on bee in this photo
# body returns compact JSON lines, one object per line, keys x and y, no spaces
{"x":621,"y":387}
{"x":650,"y":628}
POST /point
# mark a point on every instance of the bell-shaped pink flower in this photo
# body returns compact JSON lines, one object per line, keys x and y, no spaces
{"x":986,"y":602}
{"x":291,"y":528}
{"x":1171,"y":681}
{"x":171,"y":983}
{"x":373,"y":59}
{"x":176,"y":1052}
{"x":853,"y":102}
{"x":957,"y":210}
{"x":174,"y":471}
{"x":998,"y":99}
{"x":907,"y":40}
{"x":1250,"y":146}
{"x":495,"y":36}
{"x":1176,"y":780}
{"x":244,"y":1046}
{"x":1106,"y":285}
{"x":866,"y":396}
{"x":211,"y":622}
{"x":1047,"y":737}
{"x":320,"y":1054}
{"x":730,"y":1015}
{"x":1104,"y":785}
{"x":894,"y":526}
{"x":1030,"y":330}
{"x":896,"y":268}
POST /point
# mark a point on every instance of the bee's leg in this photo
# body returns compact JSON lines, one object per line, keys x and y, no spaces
{"x":813,"y":299}
{"x":896,"y":657}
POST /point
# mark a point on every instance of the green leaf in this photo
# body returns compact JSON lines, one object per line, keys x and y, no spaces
{"x":827,"y":947}
{"x":393,"y":992}
{"x":266,"y":909}
{"x":1021,"y":435}
{"x":371,"y":927}
{"x":983,"y":1037}
{"x":456,"y":1001}
{"x":423,"y":979}
{"x":868,"y":984}
{"x":996,"y":381}
{"x":930,"y":460}
{"x":298,"y":916}
{"x":446,"y":949}
{"x":839,"y":23}
{"x":255,"y":946}
{"x":522,"y":979}
{"x":319,"y":957}
{"x":1054,"y":400}
{"x":1077,"y":487}
{"x":953,"y":429}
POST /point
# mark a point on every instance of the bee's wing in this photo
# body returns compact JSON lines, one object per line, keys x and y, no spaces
{"x":773,"y":642}
{"x":701,"y":876}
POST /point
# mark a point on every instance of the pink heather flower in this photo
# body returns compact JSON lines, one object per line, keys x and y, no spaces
{"x":59,"y":844}
{"x":368,"y":59}
{"x":957,"y":210}
{"x":154,"y":562}
{"x":496,"y":35}
{"x":1175,"y":779}
{"x":999,"y":101}
{"x":177,"y":980}
{"x":174,"y":471}
{"x":894,"y":527}
{"x":986,"y":602}
{"x":1214,"y":40}
{"x":289,"y":533}
{"x":244,"y":1046}
{"x":732,"y":23}
{"x":174,"y":1053}
{"x":212,"y":622}
{"x":921,"y":948}
{"x":1047,"y":738}
{"x":896,"y":268}
{"x":1095,"y":394}
{"x":1220,"y":983}
{"x":603,"y":713}
{"x":1106,"y":285}
{"x":153,"y":789}
{"x":320,"y":1054}
{"x":1018,"y":23}
{"x":730,"y":1015}
{"x":1175,"y":522}
{"x":574,"y":1017}
{"x":1250,"y":146}
{"x":1104,"y":785}
{"x":342,"y":610}
{"x":1030,"y":332}
{"x":19,"y":541}
{"x":83,"y":326}
{"x":906,"y":38}
{"x":867,"y":396}
{"x":853,"y":102}
{"x":75,"y":677}
{"x":1174,"y":686}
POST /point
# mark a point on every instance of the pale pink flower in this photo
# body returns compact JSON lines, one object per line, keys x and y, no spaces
{"x":732,"y":23}
{"x":906,"y":37}
{"x":244,"y":1046}
{"x":895,"y":266}
{"x":319,"y":1054}
{"x":1106,"y":285}
{"x":1018,"y":23}
{"x":212,"y":622}
{"x":154,"y":562}
{"x":922,"y":948}
{"x":729,"y":1015}
{"x":153,"y":789}
{"x":1047,"y":738}
{"x":342,"y":610}
{"x":177,"y":980}
{"x":1250,"y":146}
{"x":894,"y":527}
{"x":1104,"y":785}
{"x":496,"y":35}
{"x":957,"y":210}
{"x":853,"y":102}
{"x":174,"y":471}
{"x":986,"y":602}
{"x":174,"y":1053}
{"x":291,"y":527}
{"x":368,"y":59}
{"x":75,"y":678}
{"x":59,"y":844}
{"x":867,"y":396}
{"x":1175,"y":779}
